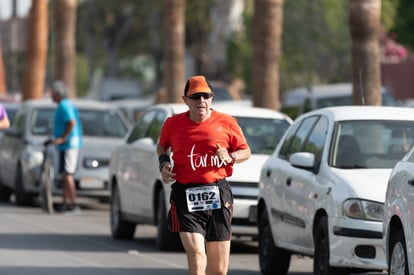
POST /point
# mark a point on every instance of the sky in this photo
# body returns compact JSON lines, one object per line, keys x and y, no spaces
{"x":23,"y":7}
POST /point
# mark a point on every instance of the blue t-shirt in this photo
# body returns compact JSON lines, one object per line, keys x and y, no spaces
{"x":64,"y":113}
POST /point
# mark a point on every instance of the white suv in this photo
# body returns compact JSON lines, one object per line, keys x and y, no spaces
{"x":322,"y":191}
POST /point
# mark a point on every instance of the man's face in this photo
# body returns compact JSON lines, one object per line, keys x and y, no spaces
{"x":199,"y":103}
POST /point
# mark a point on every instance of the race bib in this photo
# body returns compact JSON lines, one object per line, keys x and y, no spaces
{"x":203,"y":198}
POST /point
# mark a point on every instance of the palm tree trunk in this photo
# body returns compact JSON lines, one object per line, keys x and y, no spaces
{"x":3,"y":88}
{"x":174,"y":49}
{"x":267,"y":32}
{"x":36,"y":51}
{"x":64,"y":41}
{"x":364,"y":25}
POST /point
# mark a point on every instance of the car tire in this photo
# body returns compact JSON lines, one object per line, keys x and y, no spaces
{"x":272,"y":259}
{"x":120,"y":228}
{"x":322,"y":253}
{"x":398,"y":262}
{"x":22,"y":197}
{"x":166,"y":240}
{"x":5,"y":192}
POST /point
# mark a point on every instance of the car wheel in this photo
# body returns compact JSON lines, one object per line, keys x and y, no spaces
{"x":120,"y":228}
{"x":272,"y":259}
{"x":5,"y":192}
{"x":398,"y":254}
{"x":166,"y":240}
{"x":22,"y":197}
{"x":321,"y":258}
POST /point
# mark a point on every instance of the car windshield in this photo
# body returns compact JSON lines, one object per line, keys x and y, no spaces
{"x":262,"y":134}
{"x":371,"y":144}
{"x":102,"y":123}
{"x":221,"y":94}
{"x":334,"y":101}
{"x":96,"y":123}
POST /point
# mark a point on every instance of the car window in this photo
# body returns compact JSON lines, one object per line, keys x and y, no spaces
{"x":221,"y":93}
{"x":19,"y":121}
{"x":295,"y":140}
{"x":41,"y":122}
{"x":334,"y":101}
{"x":262,"y":134}
{"x":11,"y":112}
{"x":316,"y":140}
{"x":371,"y":144}
{"x":141,"y":127}
{"x":102,"y":123}
{"x":307,"y":106}
{"x":156,"y":125}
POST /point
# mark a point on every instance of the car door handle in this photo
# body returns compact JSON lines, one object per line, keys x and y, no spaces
{"x":288,"y":181}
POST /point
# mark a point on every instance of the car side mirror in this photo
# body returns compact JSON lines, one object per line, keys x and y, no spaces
{"x":303,"y":160}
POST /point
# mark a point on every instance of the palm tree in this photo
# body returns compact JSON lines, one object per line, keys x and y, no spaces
{"x":36,"y":51}
{"x":174,"y":49}
{"x":64,"y":41}
{"x":364,"y":25}
{"x":3,"y":88}
{"x":267,"y":31}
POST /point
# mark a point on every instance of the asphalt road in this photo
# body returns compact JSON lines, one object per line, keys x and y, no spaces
{"x":35,"y":243}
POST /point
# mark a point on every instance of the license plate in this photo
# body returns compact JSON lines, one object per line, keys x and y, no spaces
{"x":91,"y":183}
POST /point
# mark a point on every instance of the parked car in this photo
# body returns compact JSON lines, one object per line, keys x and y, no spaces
{"x":322,"y":191}
{"x":304,"y":99}
{"x":138,"y":195}
{"x":21,"y":149}
{"x":399,"y":217}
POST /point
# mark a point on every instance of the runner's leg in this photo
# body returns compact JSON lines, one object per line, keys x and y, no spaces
{"x":194,"y":247}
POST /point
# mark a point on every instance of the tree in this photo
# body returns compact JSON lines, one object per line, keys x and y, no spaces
{"x":267,"y":31}
{"x":36,"y":51}
{"x":64,"y":40}
{"x":174,"y":49}
{"x":364,"y":25}
{"x":3,"y":88}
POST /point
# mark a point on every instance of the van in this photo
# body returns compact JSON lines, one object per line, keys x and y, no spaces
{"x":304,"y":99}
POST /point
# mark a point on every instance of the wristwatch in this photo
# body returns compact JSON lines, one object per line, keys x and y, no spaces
{"x":233,"y":158}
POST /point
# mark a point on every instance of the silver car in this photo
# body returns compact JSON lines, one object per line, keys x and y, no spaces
{"x":21,"y":149}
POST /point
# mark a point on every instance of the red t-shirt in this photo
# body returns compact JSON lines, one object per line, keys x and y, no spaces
{"x":193,"y":146}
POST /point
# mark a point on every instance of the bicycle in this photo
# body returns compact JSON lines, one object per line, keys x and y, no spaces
{"x":46,"y":179}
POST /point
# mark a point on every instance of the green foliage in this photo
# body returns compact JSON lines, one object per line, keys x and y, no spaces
{"x":316,"y":43}
{"x":404,"y":23}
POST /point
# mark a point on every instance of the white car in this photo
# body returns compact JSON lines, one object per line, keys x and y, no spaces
{"x":399,"y":217}
{"x":322,"y":191}
{"x":138,"y":195}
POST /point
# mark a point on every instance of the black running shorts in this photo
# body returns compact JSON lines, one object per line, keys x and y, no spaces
{"x":214,"y":225}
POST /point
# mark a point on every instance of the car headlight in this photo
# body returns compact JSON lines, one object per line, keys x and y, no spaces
{"x":363,"y":209}
{"x":32,"y":156}
{"x":93,"y":163}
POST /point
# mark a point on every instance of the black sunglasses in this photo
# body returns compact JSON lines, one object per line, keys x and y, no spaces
{"x":197,"y":96}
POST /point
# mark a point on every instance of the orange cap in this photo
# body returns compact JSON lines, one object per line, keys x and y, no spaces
{"x":197,"y":84}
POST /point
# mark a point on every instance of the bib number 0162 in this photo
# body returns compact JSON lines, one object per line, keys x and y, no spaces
{"x":203,"y":198}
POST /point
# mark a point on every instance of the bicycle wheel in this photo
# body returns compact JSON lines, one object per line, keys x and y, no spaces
{"x":46,"y":197}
